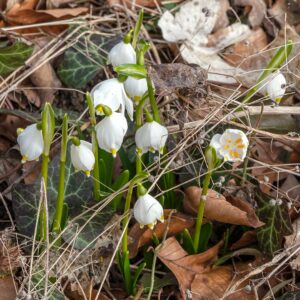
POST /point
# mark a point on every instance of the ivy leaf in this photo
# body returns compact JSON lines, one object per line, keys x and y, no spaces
{"x":83,"y":61}
{"x":13,"y":57}
{"x":277,"y":224}
{"x":78,"y":196}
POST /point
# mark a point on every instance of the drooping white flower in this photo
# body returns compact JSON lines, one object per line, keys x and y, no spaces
{"x":151,"y":137}
{"x":111,"y":93}
{"x":31,"y":143}
{"x":111,"y":131}
{"x":147,"y":211}
{"x":122,"y":53}
{"x":232,"y":145}
{"x":135,"y":88}
{"x":274,"y":86}
{"x":82,"y":157}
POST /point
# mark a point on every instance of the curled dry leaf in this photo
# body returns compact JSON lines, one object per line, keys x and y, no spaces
{"x":139,"y":237}
{"x":243,"y":53}
{"x":196,"y":273}
{"x":21,"y":14}
{"x":140,"y":3}
{"x":248,"y":238}
{"x":258,"y":10}
{"x":217,"y":208}
{"x":185,"y":266}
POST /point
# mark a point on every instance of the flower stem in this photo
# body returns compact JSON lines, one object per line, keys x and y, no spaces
{"x":201,"y":210}
{"x":153,"y":103}
{"x":43,"y":214}
{"x":61,"y":184}
{"x":96,"y":171}
{"x":125,"y":220}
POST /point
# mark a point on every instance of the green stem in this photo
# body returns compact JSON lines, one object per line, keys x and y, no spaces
{"x":96,"y":171}
{"x":153,"y":103}
{"x":43,"y":213}
{"x":125,"y":220}
{"x":201,"y":210}
{"x":61,"y":184}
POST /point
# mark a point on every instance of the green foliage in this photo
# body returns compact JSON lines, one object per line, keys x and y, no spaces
{"x":159,"y":283}
{"x":78,"y":196}
{"x":83,"y":61}
{"x":13,"y":57}
{"x":38,"y":280}
{"x":277,"y":224}
{"x":133,"y":70}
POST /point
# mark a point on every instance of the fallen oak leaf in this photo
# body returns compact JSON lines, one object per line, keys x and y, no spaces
{"x":247,"y":238}
{"x":184,"y":266}
{"x":217,"y":208}
{"x":139,"y":237}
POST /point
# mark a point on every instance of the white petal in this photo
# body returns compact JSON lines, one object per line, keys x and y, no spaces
{"x":110,"y":93}
{"x":234,"y":144}
{"x":122,"y":54}
{"x":31,"y":142}
{"x":276,"y":86}
{"x":147,"y":210}
{"x":151,"y":135}
{"x":135,"y":88}
{"x":82,"y":156}
{"x":111,"y":131}
{"x":215,"y":143}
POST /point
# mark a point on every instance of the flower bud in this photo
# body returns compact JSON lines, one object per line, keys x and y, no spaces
{"x":31,"y":143}
{"x":151,"y":137}
{"x":111,"y":93}
{"x":82,"y":157}
{"x":136,"y":88}
{"x":111,"y":131}
{"x":147,"y":211}
{"x":122,"y":53}
{"x":232,"y":145}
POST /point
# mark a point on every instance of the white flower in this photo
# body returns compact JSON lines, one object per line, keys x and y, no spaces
{"x":31,"y":143}
{"x":136,"y":88}
{"x":231,"y":145}
{"x":122,"y":53}
{"x":151,"y":137}
{"x":111,"y":93}
{"x":111,"y":131}
{"x":274,"y":86}
{"x":82,"y":157}
{"x":147,"y":210}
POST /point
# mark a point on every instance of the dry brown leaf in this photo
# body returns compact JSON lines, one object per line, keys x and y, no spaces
{"x":243,"y":54}
{"x":291,"y":187}
{"x":185,"y":266}
{"x":197,"y":274}
{"x":7,"y":288}
{"x":292,"y":240}
{"x":74,"y":292}
{"x":14,"y":6}
{"x":139,"y":237}
{"x":145,"y":3}
{"x":217,"y":208}
{"x":20,"y":16}
{"x":257,"y":12}
{"x":248,"y":238}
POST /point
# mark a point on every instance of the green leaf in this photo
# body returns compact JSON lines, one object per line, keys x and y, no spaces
{"x":13,"y":57}
{"x":277,"y":224}
{"x":122,"y":179}
{"x":78,"y":197}
{"x":159,"y":283}
{"x":83,"y":61}
{"x":206,"y":232}
{"x":38,"y":280}
{"x":132,"y":70}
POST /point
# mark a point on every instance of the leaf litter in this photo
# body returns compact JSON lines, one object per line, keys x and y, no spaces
{"x":212,"y":48}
